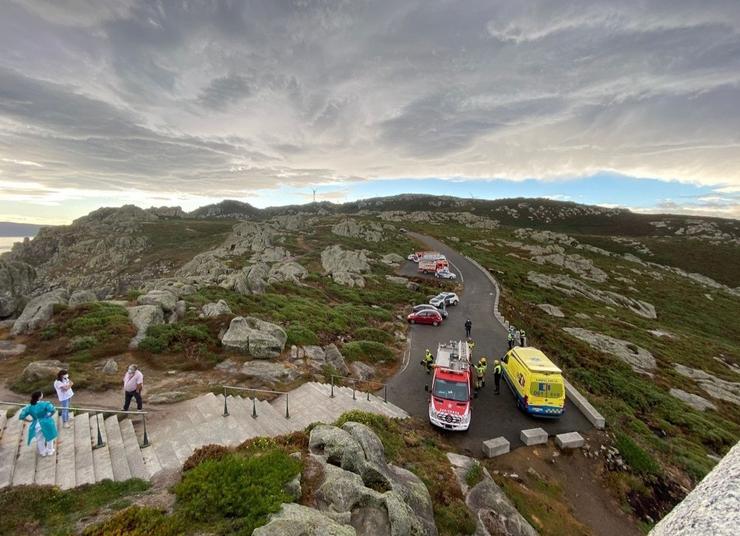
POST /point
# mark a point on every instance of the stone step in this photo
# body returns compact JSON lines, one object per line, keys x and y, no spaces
{"x":102,"y":463}
{"x":9,"y":444}
{"x":133,"y":452}
{"x":121,"y":470}
{"x":46,"y":467}
{"x":263,"y":425}
{"x":65,"y":477}
{"x":210,"y":422}
{"x":84,"y":465}
{"x":164,"y":452}
{"x":25,"y":465}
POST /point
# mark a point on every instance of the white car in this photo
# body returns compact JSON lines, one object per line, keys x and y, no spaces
{"x":445,"y":274}
{"x":413,"y":258}
{"x":444,"y":298}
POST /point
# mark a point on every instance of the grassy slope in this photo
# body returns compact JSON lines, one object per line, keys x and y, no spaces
{"x":660,"y":427}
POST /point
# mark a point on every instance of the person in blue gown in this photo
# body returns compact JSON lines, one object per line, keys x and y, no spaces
{"x":41,"y":416}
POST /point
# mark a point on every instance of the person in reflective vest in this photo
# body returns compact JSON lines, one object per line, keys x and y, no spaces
{"x":483,"y":363}
{"x":511,"y":340}
{"x":497,"y":372}
{"x":428,"y":360}
{"x":480,"y":371}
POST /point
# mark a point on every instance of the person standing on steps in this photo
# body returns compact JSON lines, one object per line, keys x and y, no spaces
{"x":523,"y":337}
{"x":133,"y":383}
{"x":468,"y":328}
{"x":497,"y":372}
{"x":63,"y":386}
{"x":42,"y":424}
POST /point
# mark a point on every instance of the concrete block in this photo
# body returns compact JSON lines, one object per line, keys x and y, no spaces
{"x":571,"y":440}
{"x":533,"y":436}
{"x":495,"y":447}
{"x":579,"y":401}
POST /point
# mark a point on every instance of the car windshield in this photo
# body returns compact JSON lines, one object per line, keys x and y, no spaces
{"x":449,"y":390}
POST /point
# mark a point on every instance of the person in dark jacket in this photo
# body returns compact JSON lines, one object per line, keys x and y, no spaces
{"x":497,"y":372}
{"x":468,"y":328}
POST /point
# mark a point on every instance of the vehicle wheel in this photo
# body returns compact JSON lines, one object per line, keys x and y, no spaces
{"x":435,"y":323}
{"x":412,"y":321}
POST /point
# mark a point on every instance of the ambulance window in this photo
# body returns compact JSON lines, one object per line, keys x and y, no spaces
{"x":505,"y":359}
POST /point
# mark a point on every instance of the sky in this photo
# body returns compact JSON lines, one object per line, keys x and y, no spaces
{"x":629,"y":103}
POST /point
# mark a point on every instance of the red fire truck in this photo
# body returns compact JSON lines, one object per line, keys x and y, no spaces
{"x":432,"y":266}
{"x":452,"y":387}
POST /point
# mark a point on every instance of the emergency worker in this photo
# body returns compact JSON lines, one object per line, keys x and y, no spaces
{"x":497,"y":372}
{"x":428,"y":360}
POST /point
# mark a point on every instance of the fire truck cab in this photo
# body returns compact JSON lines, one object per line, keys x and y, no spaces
{"x":451,"y":391}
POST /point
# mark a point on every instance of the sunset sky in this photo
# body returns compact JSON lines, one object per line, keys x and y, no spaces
{"x":628,"y":103}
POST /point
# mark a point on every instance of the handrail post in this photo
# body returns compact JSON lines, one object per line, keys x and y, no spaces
{"x":226,"y":408}
{"x":100,"y":442}
{"x":287,"y":411}
{"x":146,"y":436}
{"x":385,"y":393}
{"x":332,"y":387}
{"x":368,"y":395}
{"x":254,"y":405}
{"x":354,"y":386}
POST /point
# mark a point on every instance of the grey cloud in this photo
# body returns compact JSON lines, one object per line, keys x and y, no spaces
{"x":224,"y":91}
{"x":217,"y":96}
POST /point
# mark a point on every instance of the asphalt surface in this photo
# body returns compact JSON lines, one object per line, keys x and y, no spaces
{"x":493,"y":415}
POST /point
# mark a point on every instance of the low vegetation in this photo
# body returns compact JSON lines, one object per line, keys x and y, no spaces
{"x":33,"y":510}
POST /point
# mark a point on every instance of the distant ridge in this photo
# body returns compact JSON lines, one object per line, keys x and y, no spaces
{"x":8,"y":228}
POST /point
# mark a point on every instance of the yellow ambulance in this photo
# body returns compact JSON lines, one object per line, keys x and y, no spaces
{"x":536,"y":382}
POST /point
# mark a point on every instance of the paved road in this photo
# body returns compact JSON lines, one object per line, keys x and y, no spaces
{"x":493,"y":415}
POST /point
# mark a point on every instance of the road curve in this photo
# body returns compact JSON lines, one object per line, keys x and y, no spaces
{"x":493,"y":415}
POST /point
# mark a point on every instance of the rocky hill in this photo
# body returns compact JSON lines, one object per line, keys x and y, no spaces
{"x":636,"y":308}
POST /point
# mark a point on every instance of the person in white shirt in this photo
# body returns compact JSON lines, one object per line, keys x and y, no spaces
{"x":133,"y":383}
{"x":63,"y":386}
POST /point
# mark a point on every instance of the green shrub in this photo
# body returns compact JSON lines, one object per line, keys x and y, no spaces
{"x":474,"y":474}
{"x":236,"y":493}
{"x":47,"y":507}
{"x":638,"y":460}
{"x":206,"y":452}
{"x":49,"y":332}
{"x":373,"y":334}
{"x":83,"y":343}
{"x":101,"y":320}
{"x":370,"y":351}
{"x":301,"y":336}
{"x":174,"y":337}
{"x":138,"y":521}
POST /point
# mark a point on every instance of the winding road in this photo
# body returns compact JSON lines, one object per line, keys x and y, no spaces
{"x":493,"y":415}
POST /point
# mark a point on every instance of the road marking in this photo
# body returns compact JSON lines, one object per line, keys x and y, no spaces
{"x":462,"y":279}
{"x":406,"y":355}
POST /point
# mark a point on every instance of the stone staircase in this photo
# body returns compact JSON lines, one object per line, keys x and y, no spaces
{"x":194,"y":423}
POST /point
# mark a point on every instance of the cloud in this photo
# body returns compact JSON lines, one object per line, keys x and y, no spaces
{"x":227,"y":98}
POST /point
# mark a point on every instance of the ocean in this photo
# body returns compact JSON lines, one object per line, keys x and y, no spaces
{"x":6,"y":242}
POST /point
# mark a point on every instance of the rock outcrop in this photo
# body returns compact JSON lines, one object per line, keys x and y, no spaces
{"x":296,"y":520}
{"x":164,"y":299}
{"x":42,"y":371}
{"x":712,"y":385}
{"x":573,"y":287}
{"x":712,"y":507}
{"x":552,"y":310}
{"x":82,"y":297}
{"x":640,"y":359}
{"x":370,"y":232}
{"x":212,"y":310}
{"x":269,"y":371}
{"x":695,"y":401}
{"x":256,"y":337}
{"x":345,"y":266}
{"x":39,"y":311}
{"x":142,"y":317}
{"x":362,"y":490}
{"x":494,"y":513}
{"x":17,"y":280}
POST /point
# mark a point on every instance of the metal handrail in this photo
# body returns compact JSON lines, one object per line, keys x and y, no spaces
{"x":96,"y":412}
{"x":354,"y":386}
{"x":254,"y":392}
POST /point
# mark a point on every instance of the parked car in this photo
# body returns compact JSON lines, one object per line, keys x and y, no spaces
{"x":425,"y":316}
{"x":422,"y":306}
{"x":445,"y":274}
{"x":444,"y":298}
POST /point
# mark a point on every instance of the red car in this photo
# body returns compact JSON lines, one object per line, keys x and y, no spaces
{"x":425,"y":316}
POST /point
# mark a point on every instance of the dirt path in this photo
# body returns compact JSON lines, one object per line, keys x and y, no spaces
{"x":581,"y":480}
